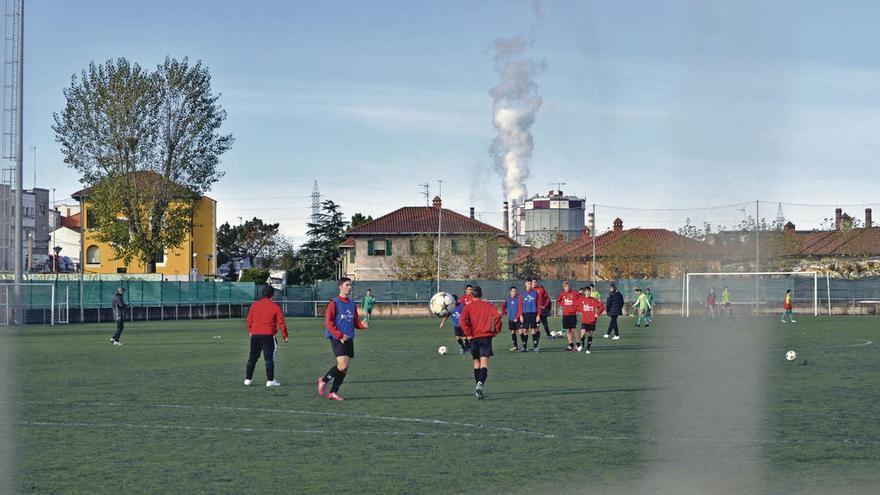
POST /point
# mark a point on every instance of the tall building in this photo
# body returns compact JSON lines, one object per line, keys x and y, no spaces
{"x":540,"y":217}
{"x":35,"y":224}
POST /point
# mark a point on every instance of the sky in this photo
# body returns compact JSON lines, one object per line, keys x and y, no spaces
{"x":654,"y":111}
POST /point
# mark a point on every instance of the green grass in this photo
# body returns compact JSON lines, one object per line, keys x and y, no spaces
{"x":685,"y":406}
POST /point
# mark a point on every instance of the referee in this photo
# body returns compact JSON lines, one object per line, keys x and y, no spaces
{"x":263,"y":320}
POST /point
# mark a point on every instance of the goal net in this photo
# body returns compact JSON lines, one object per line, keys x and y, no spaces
{"x":34,"y":303}
{"x":753,"y":293}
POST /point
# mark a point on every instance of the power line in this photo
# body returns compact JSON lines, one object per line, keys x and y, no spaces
{"x":717,"y":207}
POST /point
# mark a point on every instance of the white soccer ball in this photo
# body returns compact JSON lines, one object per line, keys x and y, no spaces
{"x":442,"y":350}
{"x":790,"y":356}
{"x":442,"y":303}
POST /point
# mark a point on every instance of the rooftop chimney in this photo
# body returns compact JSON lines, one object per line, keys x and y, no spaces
{"x":472,"y":212}
{"x":789,"y":227}
{"x":618,"y":225}
{"x":868,"y":217}
{"x":437,"y":203}
{"x":837,"y":214}
{"x":506,"y":219}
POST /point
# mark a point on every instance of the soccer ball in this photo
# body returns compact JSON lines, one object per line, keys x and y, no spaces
{"x":558,"y":333}
{"x":442,"y":350}
{"x":790,"y":356}
{"x":442,"y":303}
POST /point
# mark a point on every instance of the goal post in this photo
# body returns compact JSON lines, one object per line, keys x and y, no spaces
{"x":29,"y":303}
{"x":767,"y":288}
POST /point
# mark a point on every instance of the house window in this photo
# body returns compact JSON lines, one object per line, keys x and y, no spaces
{"x":379,"y":247}
{"x":159,"y":258}
{"x":122,"y":270}
{"x":91,"y":220}
{"x":351,"y":255}
{"x":421,"y":246}
{"x":464,"y":246}
{"x":93,"y":255}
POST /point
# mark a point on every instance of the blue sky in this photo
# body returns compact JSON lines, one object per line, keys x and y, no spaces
{"x":673,"y":104}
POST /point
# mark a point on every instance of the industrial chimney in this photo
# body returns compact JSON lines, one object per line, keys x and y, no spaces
{"x":868,"y":217}
{"x":506,"y":219}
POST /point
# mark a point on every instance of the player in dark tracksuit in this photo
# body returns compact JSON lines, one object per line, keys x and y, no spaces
{"x":340,"y":320}
{"x":263,"y":321}
{"x":613,"y":308}
{"x":118,"y":315}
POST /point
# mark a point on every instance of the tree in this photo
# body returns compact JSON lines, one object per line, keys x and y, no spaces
{"x":255,"y":241}
{"x":359,"y":219}
{"x":227,"y":239}
{"x":318,"y":259}
{"x":148,"y":145}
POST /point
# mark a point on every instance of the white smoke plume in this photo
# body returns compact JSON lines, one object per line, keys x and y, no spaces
{"x":516,"y":103}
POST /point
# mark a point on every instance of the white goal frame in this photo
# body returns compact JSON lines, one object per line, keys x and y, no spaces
{"x":59,"y":304}
{"x":686,"y":299}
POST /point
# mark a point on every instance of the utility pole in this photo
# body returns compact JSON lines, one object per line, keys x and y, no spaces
{"x":34,"y":150}
{"x":757,"y":254}
{"x":19,"y":85}
{"x":439,"y":228}
{"x":593,"y":240}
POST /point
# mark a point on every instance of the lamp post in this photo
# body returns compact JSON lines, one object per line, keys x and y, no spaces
{"x":57,"y":250}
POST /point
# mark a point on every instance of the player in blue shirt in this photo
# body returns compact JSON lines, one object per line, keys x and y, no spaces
{"x":512,"y":307}
{"x":530,"y":317}
{"x":455,"y":316}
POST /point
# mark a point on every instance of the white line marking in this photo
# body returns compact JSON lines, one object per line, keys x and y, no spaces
{"x":488,"y":430}
{"x":399,"y":419}
{"x":230,"y":429}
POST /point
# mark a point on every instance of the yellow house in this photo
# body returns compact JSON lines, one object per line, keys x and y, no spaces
{"x":198,"y":250}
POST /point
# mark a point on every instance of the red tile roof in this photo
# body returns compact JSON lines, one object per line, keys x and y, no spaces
{"x":72,"y":222}
{"x":423,"y":220}
{"x":648,"y":242}
{"x":861,"y":241}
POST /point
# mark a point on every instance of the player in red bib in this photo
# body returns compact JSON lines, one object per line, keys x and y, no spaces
{"x":591,"y":309}
{"x":568,"y":301}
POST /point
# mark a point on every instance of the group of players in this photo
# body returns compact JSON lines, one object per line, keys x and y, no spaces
{"x":476,"y":323}
{"x":527,"y":309}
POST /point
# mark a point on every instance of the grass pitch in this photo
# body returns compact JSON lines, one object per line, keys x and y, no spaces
{"x":685,"y":406}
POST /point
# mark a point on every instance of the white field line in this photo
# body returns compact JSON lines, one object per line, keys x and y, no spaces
{"x":487,"y":430}
{"x":231,"y":429}
{"x":392,"y":419}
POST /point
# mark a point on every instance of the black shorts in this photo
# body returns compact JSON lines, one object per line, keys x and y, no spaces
{"x":481,"y":347}
{"x":569,"y":321}
{"x":545,"y":312}
{"x":530,"y":320}
{"x":590,"y":327}
{"x":513,"y":325}
{"x":458,"y":331}
{"x":340,"y":349}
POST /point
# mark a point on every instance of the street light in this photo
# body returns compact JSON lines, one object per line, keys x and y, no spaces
{"x":57,"y":250}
